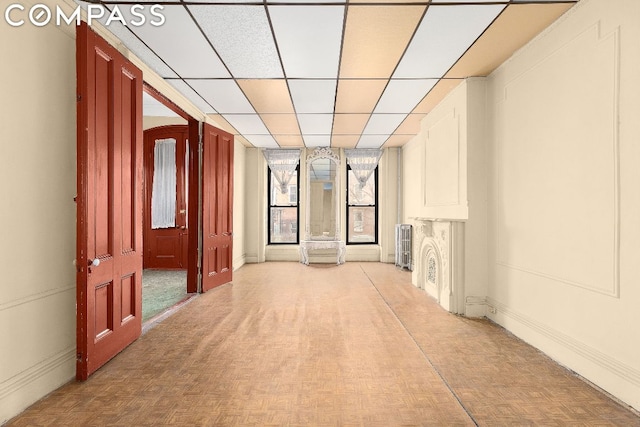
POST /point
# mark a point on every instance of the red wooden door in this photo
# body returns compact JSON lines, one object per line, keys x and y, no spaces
{"x":217,"y":205}
{"x":109,"y":211}
{"x":166,"y":247}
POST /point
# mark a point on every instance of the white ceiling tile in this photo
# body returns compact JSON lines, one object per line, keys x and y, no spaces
{"x":242,"y":37}
{"x":315,"y":123}
{"x":224,"y":95}
{"x":306,"y":1}
{"x":444,"y":34}
{"x":181,"y":45}
{"x":317,"y":140}
{"x":401,"y":96}
{"x":300,"y":40}
{"x":247,"y":124}
{"x":262,"y":141}
{"x":192,"y":95}
{"x":139,"y":49}
{"x":309,"y":39}
{"x":313,"y":96}
{"x":474,"y":1}
{"x":226,"y":1}
{"x":372,"y":141}
{"x":383,"y":124}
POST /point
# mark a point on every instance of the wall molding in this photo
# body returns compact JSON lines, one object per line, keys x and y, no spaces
{"x":251,"y":258}
{"x":595,"y":36}
{"x":35,"y":297}
{"x":544,"y":33}
{"x":28,"y":376}
{"x":283,"y":253}
{"x":444,"y":121}
{"x":239,"y":261}
{"x":621,"y":370}
{"x":615,"y":293}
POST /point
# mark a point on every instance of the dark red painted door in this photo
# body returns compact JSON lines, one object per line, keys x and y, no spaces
{"x":166,"y":247}
{"x":109,"y":212}
{"x":217,"y":204}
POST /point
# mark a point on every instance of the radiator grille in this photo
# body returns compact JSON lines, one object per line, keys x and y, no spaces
{"x":403,"y":245}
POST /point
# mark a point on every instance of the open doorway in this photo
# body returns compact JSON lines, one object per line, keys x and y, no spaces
{"x":166,"y":207}
{"x":110,"y":202}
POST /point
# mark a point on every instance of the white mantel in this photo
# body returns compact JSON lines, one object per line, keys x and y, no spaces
{"x":438,"y":260}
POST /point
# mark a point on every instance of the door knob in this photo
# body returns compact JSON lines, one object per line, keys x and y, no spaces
{"x":94,"y":263}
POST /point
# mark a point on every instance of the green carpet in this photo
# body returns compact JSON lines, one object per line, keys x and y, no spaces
{"x":162,"y":289}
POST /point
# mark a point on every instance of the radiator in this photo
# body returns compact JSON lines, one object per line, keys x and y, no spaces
{"x":403,"y":245}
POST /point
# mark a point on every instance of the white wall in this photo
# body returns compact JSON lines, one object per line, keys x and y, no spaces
{"x":445,"y":178}
{"x":38,"y":185}
{"x":256,"y":247}
{"x":475,"y":227}
{"x":388,"y":204}
{"x":37,"y":211}
{"x":435,"y":162}
{"x":564,"y":193}
{"x":553,"y":186}
{"x":149,"y":122}
{"x":239,"y":197}
{"x":254,"y":206}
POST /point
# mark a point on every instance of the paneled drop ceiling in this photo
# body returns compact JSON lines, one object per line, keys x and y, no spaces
{"x":356,"y":73}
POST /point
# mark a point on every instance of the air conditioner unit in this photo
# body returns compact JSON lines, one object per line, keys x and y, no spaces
{"x":403,"y":245}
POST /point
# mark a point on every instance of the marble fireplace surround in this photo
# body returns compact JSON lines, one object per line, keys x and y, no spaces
{"x":438,"y":261}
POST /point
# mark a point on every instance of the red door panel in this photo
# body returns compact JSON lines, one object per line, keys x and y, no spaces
{"x":217,"y":204}
{"x":166,"y":248}
{"x":109,"y":211}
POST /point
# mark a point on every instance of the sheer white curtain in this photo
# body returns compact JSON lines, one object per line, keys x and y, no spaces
{"x":283,"y":165}
{"x":186,"y":182}
{"x":363,"y":161}
{"x":163,"y":195}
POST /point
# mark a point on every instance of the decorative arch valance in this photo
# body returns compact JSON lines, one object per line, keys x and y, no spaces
{"x":283,"y":164}
{"x":363,"y":162}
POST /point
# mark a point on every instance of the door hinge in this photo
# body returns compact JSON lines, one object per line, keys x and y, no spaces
{"x":79,"y":97}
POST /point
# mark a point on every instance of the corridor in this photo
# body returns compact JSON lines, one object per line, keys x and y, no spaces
{"x":353,"y":345}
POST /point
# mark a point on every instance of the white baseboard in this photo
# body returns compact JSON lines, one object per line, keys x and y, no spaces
{"x":251,"y":259}
{"x":22,"y":390}
{"x":620,"y":380}
{"x":363,"y":253}
{"x":239,"y":262}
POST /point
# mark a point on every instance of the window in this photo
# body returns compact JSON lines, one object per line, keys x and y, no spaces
{"x":362,"y":209}
{"x":283,"y":212}
{"x":293,"y":193}
{"x":164,"y":190}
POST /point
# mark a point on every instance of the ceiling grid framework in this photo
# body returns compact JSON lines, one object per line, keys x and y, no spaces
{"x":350,"y":74}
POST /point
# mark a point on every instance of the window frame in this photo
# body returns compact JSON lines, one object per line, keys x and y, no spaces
{"x":375,"y":206}
{"x":271,"y":206}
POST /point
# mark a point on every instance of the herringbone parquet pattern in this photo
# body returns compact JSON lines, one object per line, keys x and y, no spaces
{"x":350,"y":345}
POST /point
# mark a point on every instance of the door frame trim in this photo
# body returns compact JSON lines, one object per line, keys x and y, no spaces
{"x":194,"y":282}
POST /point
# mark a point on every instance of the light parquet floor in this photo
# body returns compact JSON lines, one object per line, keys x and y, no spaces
{"x":324,"y":345}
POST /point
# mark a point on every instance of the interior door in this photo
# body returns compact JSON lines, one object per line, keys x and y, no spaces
{"x":109,"y":202}
{"x":165,"y":245}
{"x":217,"y":205}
